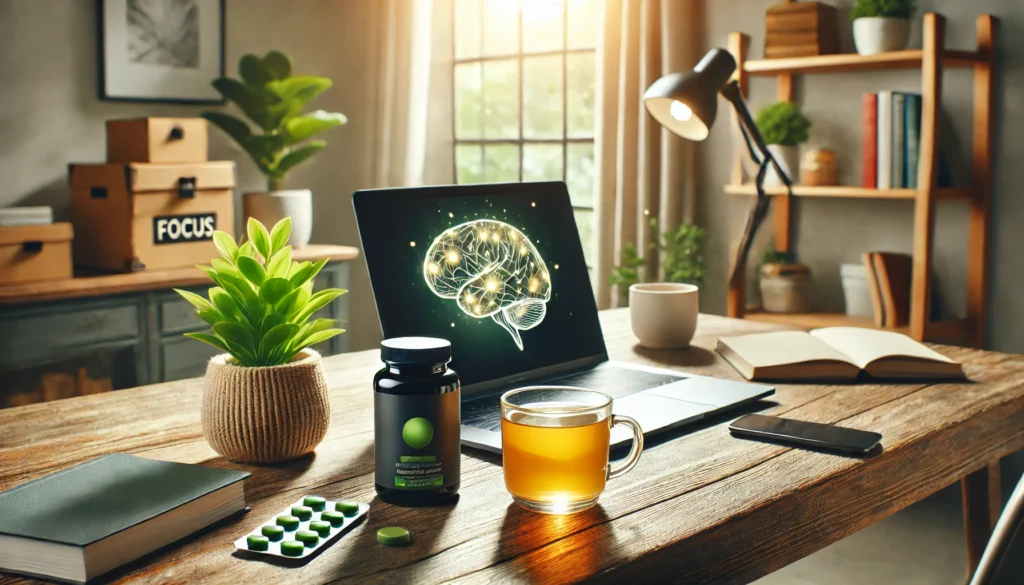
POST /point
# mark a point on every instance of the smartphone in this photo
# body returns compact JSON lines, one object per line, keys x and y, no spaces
{"x":816,"y":435}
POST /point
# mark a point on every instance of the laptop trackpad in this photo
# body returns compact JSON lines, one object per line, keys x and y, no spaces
{"x":711,"y":391}
{"x":654,"y":412}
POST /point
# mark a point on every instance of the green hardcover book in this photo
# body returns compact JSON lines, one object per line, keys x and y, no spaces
{"x":79,"y":523}
{"x":912,"y":145}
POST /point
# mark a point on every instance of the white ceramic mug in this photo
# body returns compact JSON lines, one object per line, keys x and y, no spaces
{"x":664,"y":314}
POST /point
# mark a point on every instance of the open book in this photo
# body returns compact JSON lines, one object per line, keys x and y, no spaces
{"x":834,"y":353}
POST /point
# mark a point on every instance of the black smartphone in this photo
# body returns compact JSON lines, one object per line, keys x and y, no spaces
{"x":816,"y":435}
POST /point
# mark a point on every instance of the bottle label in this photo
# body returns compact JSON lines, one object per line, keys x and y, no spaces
{"x":416,"y":443}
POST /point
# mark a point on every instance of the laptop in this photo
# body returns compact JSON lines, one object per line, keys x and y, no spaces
{"x":499,"y":271}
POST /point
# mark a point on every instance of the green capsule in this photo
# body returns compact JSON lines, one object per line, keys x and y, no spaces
{"x":347,"y":508}
{"x":393,"y":536}
{"x":302,"y":513}
{"x":334,"y":518}
{"x":315,"y":502}
{"x":274,"y":533}
{"x":289,"y":523}
{"x":321,"y":528}
{"x":256,"y":542}
{"x":292,"y":548}
{"x":307,"y":537}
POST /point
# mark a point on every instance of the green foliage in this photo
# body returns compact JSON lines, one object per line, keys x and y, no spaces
{"x":260,"y":309}
{"x":681,"y":251}
{"x":773,"y":256}
{"x":891,"y":8}
{"x":273,"y":100}
{"x":783,"y":123}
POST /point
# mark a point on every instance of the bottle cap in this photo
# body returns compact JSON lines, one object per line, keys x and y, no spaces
{"x":426,"y":351}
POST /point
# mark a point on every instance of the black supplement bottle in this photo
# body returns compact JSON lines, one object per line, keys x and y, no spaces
{"x":416,"y":417}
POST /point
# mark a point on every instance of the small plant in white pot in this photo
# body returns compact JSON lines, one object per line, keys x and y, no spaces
{"x":273,"y":99}
{"x":265,"y":399}
{"x":784,"y":127}
{"x":881,"y":25}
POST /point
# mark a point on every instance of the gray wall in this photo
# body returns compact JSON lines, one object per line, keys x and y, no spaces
{"x":50,"y":115}
{"x":829,"y":232}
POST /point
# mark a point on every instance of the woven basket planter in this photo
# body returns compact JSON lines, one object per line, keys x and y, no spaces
{"x":266,"y":415}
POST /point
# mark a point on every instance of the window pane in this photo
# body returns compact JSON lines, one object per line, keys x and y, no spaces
{"x":580,"y":99}
{"x":467,"y":28}
{"x":469,"y":105}
{"x":585,"y":225}
{"x":542,"y":94}
{"x":579,"y":175}
{"x":501,"y":27}
{"x":542,"y":162}
{"x":501,"y":163}
{"x":583,"y":20}
{"x":542,"y":26}
{"x":469,"y":159}
{"x":501,"y":99}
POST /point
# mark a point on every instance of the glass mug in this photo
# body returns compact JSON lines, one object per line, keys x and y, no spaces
{"x":554,"y":442}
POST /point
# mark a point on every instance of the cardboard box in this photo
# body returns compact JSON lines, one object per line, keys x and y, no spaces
{"x":801,"y":29}
{"x":157,"y":140}
{"x":143,"y":216}
{"x":30,"y":253}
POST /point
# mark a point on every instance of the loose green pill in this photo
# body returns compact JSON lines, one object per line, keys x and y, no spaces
{"x":302,"y":513}
{"x":256,"y":542}
{"x":334,"y":518}
{"x":321,"y":528}
{"x":292,"y":548}
{"x":347,"y":508}
{"x":393,"y":536}
{"x":315,"y":502}
{"x":274,"y":533}
{"x":308,"y":537}
{"x":289,"y":523}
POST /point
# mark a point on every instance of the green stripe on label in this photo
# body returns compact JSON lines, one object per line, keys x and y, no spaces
{"x":417,"y":458}
{"x":419,"y":483}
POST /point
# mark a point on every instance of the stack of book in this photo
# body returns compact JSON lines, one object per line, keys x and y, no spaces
{"x":892,"y":140}
{"x":800,"y":29}
{"x":889,"y":281}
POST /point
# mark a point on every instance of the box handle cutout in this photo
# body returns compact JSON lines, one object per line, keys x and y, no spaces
{"x":187,"y":187}
{"x":98,"y":192}
{"x":177,"y":133}
{"x":32,"y":247}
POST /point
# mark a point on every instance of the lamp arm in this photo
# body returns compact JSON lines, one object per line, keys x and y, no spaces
{"x":731,"y":92}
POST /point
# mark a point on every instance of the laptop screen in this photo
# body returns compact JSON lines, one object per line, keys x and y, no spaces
{"x":496,"y":269}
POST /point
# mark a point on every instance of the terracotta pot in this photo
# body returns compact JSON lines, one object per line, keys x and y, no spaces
{"x":270,"y":208}
{"x":878,"y":34}
{"x":266,"y":415}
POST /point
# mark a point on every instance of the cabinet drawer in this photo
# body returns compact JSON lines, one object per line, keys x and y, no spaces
{"x":177,"y":314}
{"x":184,"y":358}
{"x":33,"y":335}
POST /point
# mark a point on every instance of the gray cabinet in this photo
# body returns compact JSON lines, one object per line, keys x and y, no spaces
{"x":59,"y":349}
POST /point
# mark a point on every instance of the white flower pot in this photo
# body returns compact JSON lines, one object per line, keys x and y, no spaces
{"x":856,"y":293}
{"x":270,"y":208}
{"x":878,"y":34}
{"x":788,"y":158}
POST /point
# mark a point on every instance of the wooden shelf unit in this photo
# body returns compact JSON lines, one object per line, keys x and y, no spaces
{"x":932,"y":59}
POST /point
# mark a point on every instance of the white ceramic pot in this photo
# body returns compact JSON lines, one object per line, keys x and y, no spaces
{"x":789,"y":159}
{"x":855,"y":290}
{"x":664,"y":314}
{"x":878,"y":34}
{"x":270,"y":208}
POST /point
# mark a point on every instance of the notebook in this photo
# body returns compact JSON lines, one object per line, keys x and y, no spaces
{"x":834,"y":354}
{"x":79,"y":523}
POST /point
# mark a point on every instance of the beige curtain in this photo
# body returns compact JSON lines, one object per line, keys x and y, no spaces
{"x":643,"y":171}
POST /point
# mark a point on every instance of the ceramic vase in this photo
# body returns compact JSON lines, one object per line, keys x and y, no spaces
{"x":878,"y":34}
{"x":270,"y":208}
{"x":265,"y":414}
{"x":788,"y":158}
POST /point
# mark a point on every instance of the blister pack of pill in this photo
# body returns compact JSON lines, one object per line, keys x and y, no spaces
{"x":303,"y":528}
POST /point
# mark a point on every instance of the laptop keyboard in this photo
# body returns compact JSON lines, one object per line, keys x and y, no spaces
{"x":485,"y":413}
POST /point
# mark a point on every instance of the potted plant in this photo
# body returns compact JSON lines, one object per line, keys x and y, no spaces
{"x":265,"y":399}
{"x":881,"y":25}
{"x":784,"y":127}
{"x":786,"y":285}
{"x":273,"y":100}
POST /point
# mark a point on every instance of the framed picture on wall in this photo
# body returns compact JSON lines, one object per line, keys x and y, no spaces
{"x":161,"y":50}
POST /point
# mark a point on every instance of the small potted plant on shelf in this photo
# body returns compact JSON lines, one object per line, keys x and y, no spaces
{"x":273,"y":99}
{"x":784,"y":127}
{"x":265,"y":399}
{"x":786,"y":285}
{"x":881,"y":25}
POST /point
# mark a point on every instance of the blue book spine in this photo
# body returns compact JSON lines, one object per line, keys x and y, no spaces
{"x":912,"y":124}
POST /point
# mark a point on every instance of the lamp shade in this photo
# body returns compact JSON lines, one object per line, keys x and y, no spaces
{"x":686,"y":103}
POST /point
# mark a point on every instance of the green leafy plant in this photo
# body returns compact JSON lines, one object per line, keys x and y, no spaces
{"x":890,"y":8}
{"x":773,"y":256}
{"x":273,"y":99}
{"x":783,"y":123}
{"x":261,"y":308}
{"x":682,"y":258}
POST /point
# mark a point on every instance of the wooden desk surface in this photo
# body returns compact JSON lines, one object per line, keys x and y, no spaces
{"x":112,"y":284}
{"x":701,"y":507}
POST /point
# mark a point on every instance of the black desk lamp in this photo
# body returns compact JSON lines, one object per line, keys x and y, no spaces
{"x":686,"y":103}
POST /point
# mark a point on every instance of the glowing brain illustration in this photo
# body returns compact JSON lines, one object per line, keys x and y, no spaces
{"x":490,"y":269}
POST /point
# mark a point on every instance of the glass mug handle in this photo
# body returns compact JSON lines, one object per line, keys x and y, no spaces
{"x":634,"y":454}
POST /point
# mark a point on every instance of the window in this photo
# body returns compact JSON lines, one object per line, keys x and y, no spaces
{"x":524,"y":96}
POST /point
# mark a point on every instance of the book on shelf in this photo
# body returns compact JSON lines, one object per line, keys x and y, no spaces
{"x":893,"y":120}
{"x":897,"y":154}
{"x":912,"y":131}
{"x":877,"y":307}
{"x":14,"y":216}
{"x":884,"y":153}
{"x":835,"y":354}
{"x":84,"y":521}
{"x":894,"y":272}
{"x":869,"y":141}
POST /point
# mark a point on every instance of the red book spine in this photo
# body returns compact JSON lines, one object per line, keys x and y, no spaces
{"x":869,"y":148}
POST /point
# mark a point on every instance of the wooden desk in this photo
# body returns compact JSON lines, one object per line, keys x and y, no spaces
{"x":705,"y":507}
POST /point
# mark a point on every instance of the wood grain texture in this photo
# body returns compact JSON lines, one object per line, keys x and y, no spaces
{"x":112,"y":284}
{"x":782,"y":214}
{"x":848,"y":192}
{"x":906,"y":59}
{"x":701,"y":506}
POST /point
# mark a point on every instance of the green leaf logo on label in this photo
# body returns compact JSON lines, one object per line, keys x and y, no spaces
{"x":418,"y":432}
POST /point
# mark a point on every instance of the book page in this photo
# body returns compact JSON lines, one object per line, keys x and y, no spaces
{"x":867,"y":345}
{"x":779,"y":348}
